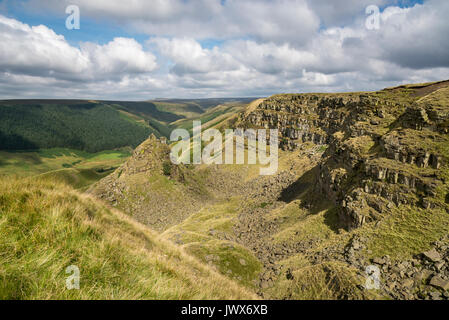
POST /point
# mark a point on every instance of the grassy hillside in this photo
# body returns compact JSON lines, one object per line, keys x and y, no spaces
{"x":146,"y":110}
{"x":76,"y":168}
{"x":47,"y":226}
{"x":203,"y":104}
{"x":90,"y":127}
{"x":80,"y":142}
{"x":211,"y":118}
{"x":95,"y":126}
{"x":283,"y":237}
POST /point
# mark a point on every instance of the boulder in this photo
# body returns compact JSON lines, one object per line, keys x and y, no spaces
{"x":432,"y":255}
{"x":379,"y":261}
{"x":439,"y":283}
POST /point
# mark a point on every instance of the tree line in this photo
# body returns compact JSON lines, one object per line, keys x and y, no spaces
{"x":90,"y":127}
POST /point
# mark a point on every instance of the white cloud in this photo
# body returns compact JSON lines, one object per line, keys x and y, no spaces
{"x":416,"y":37}
{"x":39,"y":51}
{"x":190,"y":57}
{"x":341,"y":12}
{"x":269,"y":57}
{"x":119,"y":57}
{"x":262,"y":48}
{"x":272,"y":20}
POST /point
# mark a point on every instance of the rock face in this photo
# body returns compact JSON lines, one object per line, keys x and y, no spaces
{"x":150,"y":189}
{"x":385,"y":152}
{"x":385,"y":149}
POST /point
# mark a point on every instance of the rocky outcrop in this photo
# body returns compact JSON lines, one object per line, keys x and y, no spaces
{"x":377,"y":148}
{"x":400,"y":152}
{"x":424,"y":277}
{"x":151,"y":189}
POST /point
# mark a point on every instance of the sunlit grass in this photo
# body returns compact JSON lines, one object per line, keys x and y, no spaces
{"x":46,"y":226}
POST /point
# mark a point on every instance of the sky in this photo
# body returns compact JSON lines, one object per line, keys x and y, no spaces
{"x":147,"y":49}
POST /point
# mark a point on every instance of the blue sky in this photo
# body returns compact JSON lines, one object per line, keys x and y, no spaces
{"x":101,"y":30}
{"x":92,"y":30}
{"x":210,"y":48}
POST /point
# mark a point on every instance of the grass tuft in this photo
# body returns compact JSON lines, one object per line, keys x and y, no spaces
{"x":46,"y":226}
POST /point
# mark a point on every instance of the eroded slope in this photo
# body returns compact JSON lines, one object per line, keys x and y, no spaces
{"x":363,"y":179}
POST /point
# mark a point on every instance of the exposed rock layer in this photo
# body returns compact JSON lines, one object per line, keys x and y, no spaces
{"x":385,"y":149}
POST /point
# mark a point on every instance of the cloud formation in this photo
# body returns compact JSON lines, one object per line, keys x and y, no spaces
{"x":39,"y":51}
{"x":211,"y":48}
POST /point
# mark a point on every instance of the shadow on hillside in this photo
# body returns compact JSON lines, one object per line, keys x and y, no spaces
{"x":311,"y":200}
{"x":14,"y":142}
{"x":146,"y":109}
{"x":331,"y":219}
{"x":293,"y":191}
{"x":300,"y":186}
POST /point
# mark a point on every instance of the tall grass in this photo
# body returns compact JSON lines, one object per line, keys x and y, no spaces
{"x":46,"y":226}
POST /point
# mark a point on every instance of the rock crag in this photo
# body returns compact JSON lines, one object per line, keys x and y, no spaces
{"x":384,"y":149}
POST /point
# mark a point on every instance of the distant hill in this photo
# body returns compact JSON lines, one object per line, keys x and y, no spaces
{"x":95,"y":126}
{"x":84,"y":126}
{"x":206,"y":103}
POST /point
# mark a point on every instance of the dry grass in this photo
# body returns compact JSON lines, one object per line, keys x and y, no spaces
{"x":200,"y":236}
{"x":46,"y":226}
{"x":327,"y":281}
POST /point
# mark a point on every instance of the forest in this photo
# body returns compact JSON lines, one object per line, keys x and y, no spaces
{"x":87,"y":126}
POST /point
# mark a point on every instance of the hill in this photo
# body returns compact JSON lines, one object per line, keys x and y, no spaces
{"x":82,"y":141}
{"x":46,"y":226}
{"x":362,"y":181}
{"x":94,"y":126}
{"x":86,"y":126}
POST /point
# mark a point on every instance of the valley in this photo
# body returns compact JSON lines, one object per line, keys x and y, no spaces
{"x":76,"y":168}
{"x":340,"y":202}
{"x":362,"y":184}
{"x":223,"y":158}
{"x":81,"y":142}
